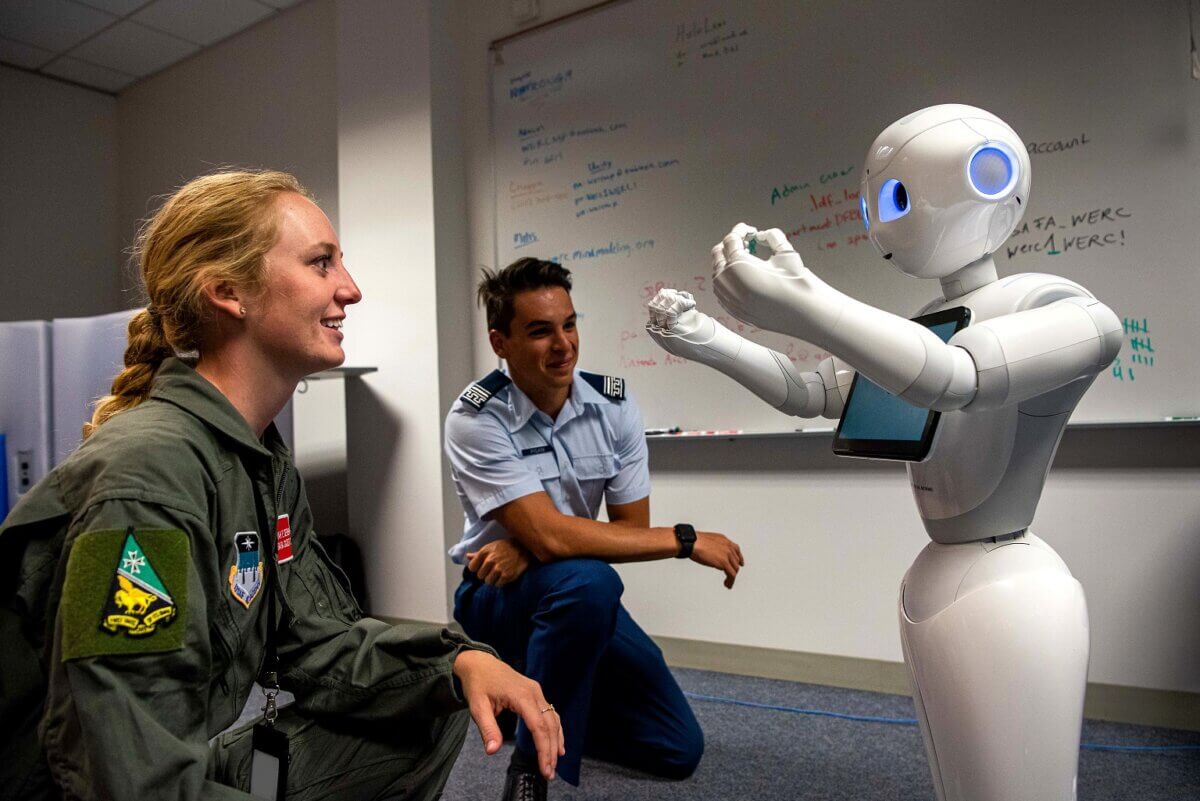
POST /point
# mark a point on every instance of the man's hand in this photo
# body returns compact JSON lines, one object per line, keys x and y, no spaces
{"x":779,"y":294}
{"x":499,"y":562}
{"x":491,"y":686}
{"x":717,"y":550}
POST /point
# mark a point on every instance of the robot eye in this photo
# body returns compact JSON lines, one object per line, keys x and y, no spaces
{"x":893,"y":201}
{"x":862,"y":202}
{"x":992,"y":170}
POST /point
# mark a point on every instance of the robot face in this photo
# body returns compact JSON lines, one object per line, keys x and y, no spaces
{"x":943,"y":188}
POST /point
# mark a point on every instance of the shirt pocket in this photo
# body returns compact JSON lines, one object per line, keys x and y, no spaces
{"x":544,"y":465}
{"x":598,"y":467}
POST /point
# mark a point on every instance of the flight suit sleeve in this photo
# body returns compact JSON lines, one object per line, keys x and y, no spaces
{"x":132,"y":657}
{"x":341,"y":664}
{"x":632,"y":481}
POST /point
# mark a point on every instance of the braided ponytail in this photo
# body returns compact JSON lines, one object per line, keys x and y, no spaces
{"x":147,"y":349}
{"x":215,"y":228}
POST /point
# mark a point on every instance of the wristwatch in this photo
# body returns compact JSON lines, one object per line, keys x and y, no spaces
{"x":687,"y":540}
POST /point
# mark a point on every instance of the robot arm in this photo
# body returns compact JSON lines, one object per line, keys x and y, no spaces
{"x":994,"y":363}
{"x":680,"y":329}
{"x":783,"y":295}
{"x":1022,"y":355}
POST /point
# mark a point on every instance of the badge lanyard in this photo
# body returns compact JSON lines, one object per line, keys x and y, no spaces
{"x":270,"y":753}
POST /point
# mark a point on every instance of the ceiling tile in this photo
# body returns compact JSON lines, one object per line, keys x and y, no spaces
{"x":204,"y":23}
{"x":53,"y":24}
{"x":118,"y":7}
{"x":89,"y":74}
{"x":23,"y":55}
{"x":134,"y":49}
{"x":280,"y":3}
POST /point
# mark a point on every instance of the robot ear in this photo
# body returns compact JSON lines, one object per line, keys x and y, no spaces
{"x":993,"y":170}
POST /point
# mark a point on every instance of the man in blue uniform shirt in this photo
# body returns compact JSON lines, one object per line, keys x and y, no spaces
{"x":533,"y":453}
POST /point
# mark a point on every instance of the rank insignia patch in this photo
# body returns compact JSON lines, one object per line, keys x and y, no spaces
{"x":246,"y":572}
{"x":125,"y":593}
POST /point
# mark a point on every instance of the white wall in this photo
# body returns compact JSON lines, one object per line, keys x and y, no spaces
{"x":58,"y":176}
{"x":827,"y":541}
{"x":266,"y":97}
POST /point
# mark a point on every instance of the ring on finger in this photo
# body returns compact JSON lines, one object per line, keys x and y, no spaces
{"x":549,"y":708}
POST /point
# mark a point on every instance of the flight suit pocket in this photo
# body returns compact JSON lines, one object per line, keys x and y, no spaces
{"x":330,"y":597}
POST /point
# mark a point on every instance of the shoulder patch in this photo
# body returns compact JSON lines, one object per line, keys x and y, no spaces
{"x":125,"y":592}
{"x":246,"y":572}
{"x":609,"y":386}
{"x":478,"y":394}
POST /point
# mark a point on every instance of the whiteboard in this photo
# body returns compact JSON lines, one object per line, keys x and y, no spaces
{"x":627,"y":141}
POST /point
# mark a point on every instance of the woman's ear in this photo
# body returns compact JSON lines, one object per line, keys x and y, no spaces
{"x":226,"y":297}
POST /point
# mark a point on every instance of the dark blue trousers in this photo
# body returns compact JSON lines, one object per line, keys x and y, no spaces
{"x":563,"y":625}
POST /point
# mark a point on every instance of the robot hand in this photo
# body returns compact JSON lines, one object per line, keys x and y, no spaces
{"x":677,"y":326}
{"x":779,"y":294}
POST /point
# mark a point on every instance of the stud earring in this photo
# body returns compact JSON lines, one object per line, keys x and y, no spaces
{"x":242,"y":311}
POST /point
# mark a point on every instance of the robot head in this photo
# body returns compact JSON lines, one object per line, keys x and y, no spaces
{"x":942,"y":188}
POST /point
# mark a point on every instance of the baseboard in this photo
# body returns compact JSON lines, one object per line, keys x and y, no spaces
{"x":1113,"y":702}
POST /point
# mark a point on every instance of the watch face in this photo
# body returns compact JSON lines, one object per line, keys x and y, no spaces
{"x":685,"y":532}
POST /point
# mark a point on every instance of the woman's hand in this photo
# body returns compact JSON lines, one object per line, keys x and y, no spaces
{"x":490,"y":686}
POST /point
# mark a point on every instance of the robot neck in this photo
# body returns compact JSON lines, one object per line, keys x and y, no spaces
{"x":969,"y":278}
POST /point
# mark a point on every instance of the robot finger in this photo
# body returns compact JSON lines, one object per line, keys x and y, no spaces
{"x":718,"y":254}
{"x":735,"y":244}
{"x":775,"y":239}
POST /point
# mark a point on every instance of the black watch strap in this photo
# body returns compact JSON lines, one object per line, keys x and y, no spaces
{"x":686,"y":535}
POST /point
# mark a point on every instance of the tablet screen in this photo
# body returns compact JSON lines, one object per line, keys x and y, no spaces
{"x":877,"y":424}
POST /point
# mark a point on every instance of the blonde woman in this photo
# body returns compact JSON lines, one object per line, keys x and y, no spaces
{"x":170,"y":562}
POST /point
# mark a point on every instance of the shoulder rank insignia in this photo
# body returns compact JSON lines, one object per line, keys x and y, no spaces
{"x":137,"y":581}
{"x":483,"y":390}
{"x":609,"y":386}
{"x":246,"y":572}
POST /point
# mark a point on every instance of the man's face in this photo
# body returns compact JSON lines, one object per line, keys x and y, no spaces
{"x":542,"y":343}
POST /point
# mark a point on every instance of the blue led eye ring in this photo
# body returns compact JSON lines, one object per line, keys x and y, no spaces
{"x":993,"y":170}
{"x":893,"y":201}
{"x":862,"y":202}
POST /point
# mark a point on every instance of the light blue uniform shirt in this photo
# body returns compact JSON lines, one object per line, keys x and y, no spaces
{"x":594,"y":451}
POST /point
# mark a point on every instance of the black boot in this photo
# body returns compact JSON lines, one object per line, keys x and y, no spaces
{"x":523,"y":782}
{"x":524,"y":786}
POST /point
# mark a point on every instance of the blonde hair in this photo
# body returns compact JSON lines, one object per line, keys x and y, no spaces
{"x":215,"y":228}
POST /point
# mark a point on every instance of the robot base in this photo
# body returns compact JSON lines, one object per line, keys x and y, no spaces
{"x":995,"y":638}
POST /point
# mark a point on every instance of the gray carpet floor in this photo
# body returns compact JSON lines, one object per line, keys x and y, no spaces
{"x":762,"y":754}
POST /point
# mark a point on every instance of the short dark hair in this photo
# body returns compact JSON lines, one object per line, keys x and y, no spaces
{"x":497,"y":290}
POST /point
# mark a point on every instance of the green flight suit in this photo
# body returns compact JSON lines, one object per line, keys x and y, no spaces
{"x":129,"y":608}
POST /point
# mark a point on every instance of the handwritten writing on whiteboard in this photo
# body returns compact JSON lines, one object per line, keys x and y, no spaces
{"x":1141,"y":347}
{"x":553,"y":139}
{"x":527,"y":194}
{"x":614,"y":247}
{"x":786,"y":190}
{"x":1090,"y":228}
{"x":704,"y":39}
{"x":528,"y":86}
{"x":1057,"y":145}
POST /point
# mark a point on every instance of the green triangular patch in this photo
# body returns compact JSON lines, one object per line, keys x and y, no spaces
{"x":137,"y":568}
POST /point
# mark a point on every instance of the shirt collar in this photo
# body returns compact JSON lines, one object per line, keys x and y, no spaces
{"x":521,"y":409}
{"x":178,"y":383}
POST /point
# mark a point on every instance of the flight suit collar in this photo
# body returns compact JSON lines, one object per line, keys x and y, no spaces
{"x":178,"y":383}
{"x":521,"y":408}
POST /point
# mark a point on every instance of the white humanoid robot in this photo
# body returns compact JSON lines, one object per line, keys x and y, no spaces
{"x":993,"y":625}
